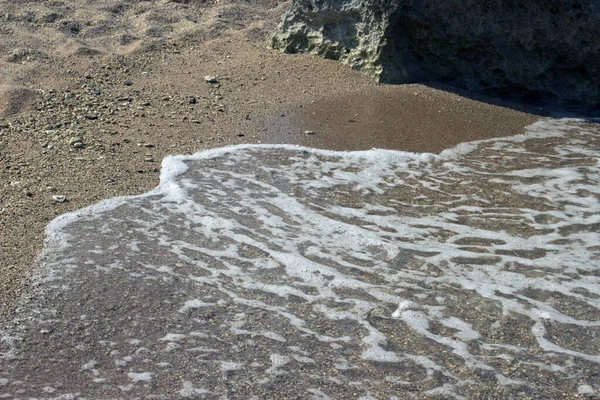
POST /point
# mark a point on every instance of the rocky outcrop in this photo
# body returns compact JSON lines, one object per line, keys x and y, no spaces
{"x":538,"y":50}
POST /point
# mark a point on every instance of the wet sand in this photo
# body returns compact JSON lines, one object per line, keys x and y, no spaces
{"x":413,"y":118}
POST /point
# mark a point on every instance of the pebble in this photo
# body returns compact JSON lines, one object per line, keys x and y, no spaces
{"x":148,"y":157}
{"x":59,"y":198}
{"x":211,"y":79}
{"x":128,"y":83}
{"x":309,"y":132}
{"x":74,"y":140}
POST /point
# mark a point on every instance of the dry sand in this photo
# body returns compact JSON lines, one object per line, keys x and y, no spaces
{"x":94,"y":94}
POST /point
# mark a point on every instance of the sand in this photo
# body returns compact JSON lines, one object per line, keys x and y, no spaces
{"x":94,"y":94}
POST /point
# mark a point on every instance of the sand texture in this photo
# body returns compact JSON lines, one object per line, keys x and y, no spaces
{"x":94,"y":94}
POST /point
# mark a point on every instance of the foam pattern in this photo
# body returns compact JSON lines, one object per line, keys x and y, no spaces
{"x":274,"y":271}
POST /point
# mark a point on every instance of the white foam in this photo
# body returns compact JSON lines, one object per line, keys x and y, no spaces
{"x":370,"y":242}
{"x":172,"y":337}
{"x":193,"y":305}
{"x":189,"y":390}
{"x":140,"y":376}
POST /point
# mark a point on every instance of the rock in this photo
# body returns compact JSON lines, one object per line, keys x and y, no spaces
{"x":211,"y":79}
{"x":538,"y":50}
{"x":352,"y":32}
{"x":74,"y":140}
{"x":309,"y":132}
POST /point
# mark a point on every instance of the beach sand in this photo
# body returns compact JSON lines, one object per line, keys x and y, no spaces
{"x":94,"y":94}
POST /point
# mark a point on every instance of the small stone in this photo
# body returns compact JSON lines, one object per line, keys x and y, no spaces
{"x":309,"y":132}
{"x":96,"y":91}
{"x":59,"y":198}
{"x":192,"y":100}
{"x":148,"y":157}
{"x":78,"y":145}
{"x":74,"y":140}
{"x":128,"y":83}
{"x":51,"y":189}
{"x":240,"y":134}
{"x":211,"y":79}
{"x":379,"y":312}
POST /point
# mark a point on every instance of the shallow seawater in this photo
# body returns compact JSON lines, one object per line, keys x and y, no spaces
{"x":281,"y":271}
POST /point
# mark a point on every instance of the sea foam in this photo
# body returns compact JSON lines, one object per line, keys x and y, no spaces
{"x":377,"y":272}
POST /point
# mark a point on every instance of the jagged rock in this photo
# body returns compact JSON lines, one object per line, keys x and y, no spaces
{"x":539,"y":50}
